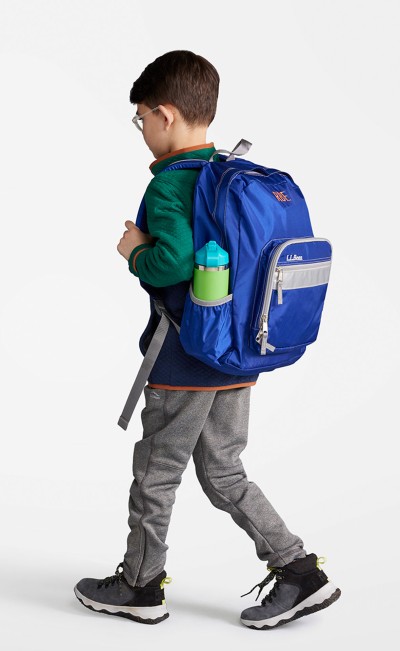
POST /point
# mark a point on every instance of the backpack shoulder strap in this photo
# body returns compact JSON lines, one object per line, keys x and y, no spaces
{"x":148,"y":362}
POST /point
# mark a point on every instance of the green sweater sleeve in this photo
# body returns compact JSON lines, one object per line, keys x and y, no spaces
{"x":170,"y":259}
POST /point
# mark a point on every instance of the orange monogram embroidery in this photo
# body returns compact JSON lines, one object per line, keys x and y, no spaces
{"x":281,"y":196}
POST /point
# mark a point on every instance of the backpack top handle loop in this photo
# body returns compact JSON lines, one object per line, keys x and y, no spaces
{"x":240,"y":149}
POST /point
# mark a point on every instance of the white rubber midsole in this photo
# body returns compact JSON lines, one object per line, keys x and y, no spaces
{"x":146,"y":612}
{"x":316,"y":598}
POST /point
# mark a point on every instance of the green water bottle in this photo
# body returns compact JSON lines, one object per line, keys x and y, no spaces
{"x":211,"y":272}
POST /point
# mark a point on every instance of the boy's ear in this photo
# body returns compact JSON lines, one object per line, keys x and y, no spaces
{"x":167,"y":112}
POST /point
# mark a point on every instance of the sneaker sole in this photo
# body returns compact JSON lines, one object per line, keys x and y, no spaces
{"x":141,"y":614}
{"x":323,"y":598}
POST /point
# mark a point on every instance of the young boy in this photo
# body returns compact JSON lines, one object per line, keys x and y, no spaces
{"x":191,"y":409}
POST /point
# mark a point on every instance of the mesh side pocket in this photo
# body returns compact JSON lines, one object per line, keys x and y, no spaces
{"x":206,"y":328}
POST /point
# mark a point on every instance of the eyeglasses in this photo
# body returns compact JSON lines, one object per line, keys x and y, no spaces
{"x":136,"y":118}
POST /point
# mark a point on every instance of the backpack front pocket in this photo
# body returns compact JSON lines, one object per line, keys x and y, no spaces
{"x":290,"y":308}
{"x":206,"y":328}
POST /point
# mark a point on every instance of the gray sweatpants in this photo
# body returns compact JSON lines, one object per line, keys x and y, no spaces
{"x":213,"y":427}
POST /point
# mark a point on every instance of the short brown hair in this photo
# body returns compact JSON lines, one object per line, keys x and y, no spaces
{"x":184,"y":79}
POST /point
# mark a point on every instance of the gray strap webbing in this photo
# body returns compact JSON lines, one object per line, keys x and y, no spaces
{"x":240,"y":149}
{"x":147,"y":364}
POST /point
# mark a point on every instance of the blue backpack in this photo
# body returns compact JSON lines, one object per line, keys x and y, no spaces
{"x":278,"y":279}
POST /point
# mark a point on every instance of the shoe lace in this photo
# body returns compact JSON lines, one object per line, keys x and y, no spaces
{"x":110,"y":580}
{"x":274,"y":572}
{"x":279,"y":574}
{"x":272,"y":593}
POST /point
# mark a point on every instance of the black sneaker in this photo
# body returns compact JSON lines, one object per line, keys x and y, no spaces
{"x":115,"y":596}
{"x":301,"y":588}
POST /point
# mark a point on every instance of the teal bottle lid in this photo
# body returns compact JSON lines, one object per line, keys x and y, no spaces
{"x":211,"y":255}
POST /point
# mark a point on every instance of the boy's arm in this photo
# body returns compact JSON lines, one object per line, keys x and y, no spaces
{"x":171,"y":259}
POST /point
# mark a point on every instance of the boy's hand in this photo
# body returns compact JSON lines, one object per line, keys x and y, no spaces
{"x":132,"y":238}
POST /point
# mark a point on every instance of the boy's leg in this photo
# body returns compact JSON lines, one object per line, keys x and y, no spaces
{"x":172,"y":422}
{"x":224,"y":480}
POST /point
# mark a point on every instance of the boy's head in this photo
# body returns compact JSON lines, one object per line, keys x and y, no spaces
{"x":183,"y":88}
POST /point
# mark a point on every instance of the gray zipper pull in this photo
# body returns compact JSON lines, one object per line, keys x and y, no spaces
{"x":262,"y":333}
{"x":263,"y":336}
{"x":279,"y":285}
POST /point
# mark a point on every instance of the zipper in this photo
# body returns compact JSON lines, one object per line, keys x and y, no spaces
{"x":217,"y":189}
{"x":240,"y":171}
{"x":279,"y":282}
{"x":274,"y":271}
{"x":216,"y":203}
{"x":223,"y":232}
{"x":262,"y":336}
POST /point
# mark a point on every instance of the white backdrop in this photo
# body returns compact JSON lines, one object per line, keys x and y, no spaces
{"x":314,"y":86}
